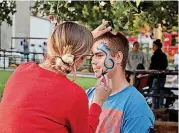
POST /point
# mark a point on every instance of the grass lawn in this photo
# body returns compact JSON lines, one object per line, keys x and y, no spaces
{"x":85,"y":83}
{"x":4,"y":75}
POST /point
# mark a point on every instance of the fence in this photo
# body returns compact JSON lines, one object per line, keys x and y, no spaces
{"x":8,"y":59}
{"x":147,"y":92}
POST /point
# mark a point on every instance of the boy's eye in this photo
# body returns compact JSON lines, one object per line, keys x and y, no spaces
{"x":96,"y":56}
{"x":99,"y":55}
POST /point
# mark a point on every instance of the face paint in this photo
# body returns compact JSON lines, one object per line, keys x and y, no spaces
{"x":108,"y":62}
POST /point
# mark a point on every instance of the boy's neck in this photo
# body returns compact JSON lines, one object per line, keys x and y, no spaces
{"x":119,"y":82}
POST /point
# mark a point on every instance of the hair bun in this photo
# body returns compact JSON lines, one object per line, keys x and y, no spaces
{"x":68,"y":58}
{"x":64,"y":63}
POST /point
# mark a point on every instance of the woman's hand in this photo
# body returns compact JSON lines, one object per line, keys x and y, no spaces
{"x":102,"y":91}
{"x":100,"y":30}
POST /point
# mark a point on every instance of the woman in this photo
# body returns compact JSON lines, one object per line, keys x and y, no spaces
{"x":41,"y":99}
{"x":158,"y":62}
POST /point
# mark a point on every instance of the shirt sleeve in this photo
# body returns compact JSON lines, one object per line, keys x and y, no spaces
{"x":138,"y":125}
{"x":81,"y":119}
{"x":152,"y":63}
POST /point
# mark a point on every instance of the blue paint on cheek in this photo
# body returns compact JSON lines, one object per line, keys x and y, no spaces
{"x":108,"y":62}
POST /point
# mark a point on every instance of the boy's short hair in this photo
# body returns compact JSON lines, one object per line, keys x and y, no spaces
{"x":117,"y":42}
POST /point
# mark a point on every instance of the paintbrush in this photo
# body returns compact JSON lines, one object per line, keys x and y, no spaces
{"x":104,"y":80}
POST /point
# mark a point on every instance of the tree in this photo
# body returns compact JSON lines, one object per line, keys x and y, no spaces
{"x":127,"y":16}
{"x":154,"y":13}
{"x":164,"y":12}
{"x":88,"y":12}
{"x":7,"y":8}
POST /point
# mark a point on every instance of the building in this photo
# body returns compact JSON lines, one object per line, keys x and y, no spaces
{"x":25,"y":25}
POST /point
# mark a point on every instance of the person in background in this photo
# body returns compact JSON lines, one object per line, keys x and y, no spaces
{"x":158,"y":62}
{"x":44,"y":48}
{"x":40,"y":98}
{"x":26,"y":46}
{"x":21,"y":47}
{"x":135,"y":57}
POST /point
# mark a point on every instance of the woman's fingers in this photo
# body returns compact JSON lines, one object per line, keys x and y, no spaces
{"x":101,"y":29}
{"x":105,"y":82}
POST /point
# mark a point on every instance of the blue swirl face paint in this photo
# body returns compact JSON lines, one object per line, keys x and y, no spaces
{"x":108,"y":62}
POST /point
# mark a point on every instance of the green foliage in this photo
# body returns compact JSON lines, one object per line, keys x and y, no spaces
{"x":128,"y":16}
{"x":164,"y":12}
{"x":4,"y":75}
{"x":7,"y":8}
{"x":151,"y":13}
{"x":175,"y":28}
{"x":87,"y":12}
{"x":85,"y":83}
{"x":159,"y":12}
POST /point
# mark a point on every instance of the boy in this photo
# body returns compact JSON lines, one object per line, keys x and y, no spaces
{"x":125,"y":110}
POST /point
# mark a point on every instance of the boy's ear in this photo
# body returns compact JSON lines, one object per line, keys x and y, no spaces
{"x":119,"y":57}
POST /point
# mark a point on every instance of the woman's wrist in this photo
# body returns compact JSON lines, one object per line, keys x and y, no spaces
{"x":94,"y":34}
{"x":100,"y":103}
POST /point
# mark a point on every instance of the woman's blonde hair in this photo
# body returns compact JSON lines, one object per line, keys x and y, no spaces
{"x":67,"y":42}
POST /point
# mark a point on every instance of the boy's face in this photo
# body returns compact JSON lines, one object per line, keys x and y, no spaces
{"x":102,"y":61}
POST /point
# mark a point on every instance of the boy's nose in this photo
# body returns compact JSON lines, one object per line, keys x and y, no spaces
{"x":93,"y":61}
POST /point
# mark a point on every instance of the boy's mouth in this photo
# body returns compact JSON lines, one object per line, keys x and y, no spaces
{"x":96,"y":70}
